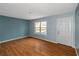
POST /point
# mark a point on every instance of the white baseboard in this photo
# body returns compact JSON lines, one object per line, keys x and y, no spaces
{"x":13,"y":39}
{"x":29,"y":36}
{"x":51,"y":41}
{"x":76,"y":52}
{"x":44,"y":39}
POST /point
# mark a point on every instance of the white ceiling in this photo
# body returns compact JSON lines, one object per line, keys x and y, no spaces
{"x":35,"y":10}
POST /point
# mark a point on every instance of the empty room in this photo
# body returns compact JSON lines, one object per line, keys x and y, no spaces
{"x":39,"y":29}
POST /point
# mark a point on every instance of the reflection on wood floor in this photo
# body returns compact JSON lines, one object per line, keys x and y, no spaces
{"x":34,"y":47}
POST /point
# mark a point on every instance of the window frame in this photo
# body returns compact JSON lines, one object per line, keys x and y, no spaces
{"x":40,"y":26}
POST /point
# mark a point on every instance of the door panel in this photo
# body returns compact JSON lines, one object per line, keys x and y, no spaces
{"x":65,"y":30}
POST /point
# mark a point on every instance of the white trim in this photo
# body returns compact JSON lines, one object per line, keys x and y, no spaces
{"x":76,"y":51}
{"x":13,"y":39}
{"x":74,"y":34}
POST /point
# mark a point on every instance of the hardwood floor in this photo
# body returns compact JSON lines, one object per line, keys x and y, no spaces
{"x":34,"y":47}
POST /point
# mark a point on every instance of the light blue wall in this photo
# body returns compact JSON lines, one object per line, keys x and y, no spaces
{"x":12,"y":28}
{"x":77,"y":27}
{"x":51,"y":26}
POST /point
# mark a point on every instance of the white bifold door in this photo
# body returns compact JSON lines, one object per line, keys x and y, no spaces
{"x":65,"y":30}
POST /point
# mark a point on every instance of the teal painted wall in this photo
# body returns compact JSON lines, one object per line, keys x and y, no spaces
{"x":12,"y":27}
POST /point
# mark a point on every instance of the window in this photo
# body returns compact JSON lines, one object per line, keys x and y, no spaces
{"x":37,"y":27}
{"x":41,"y":27}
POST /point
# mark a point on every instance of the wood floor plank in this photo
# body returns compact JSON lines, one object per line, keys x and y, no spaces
{"x":35,"y":47}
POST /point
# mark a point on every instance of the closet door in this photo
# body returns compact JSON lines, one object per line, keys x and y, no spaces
{"x":65,"y":31}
